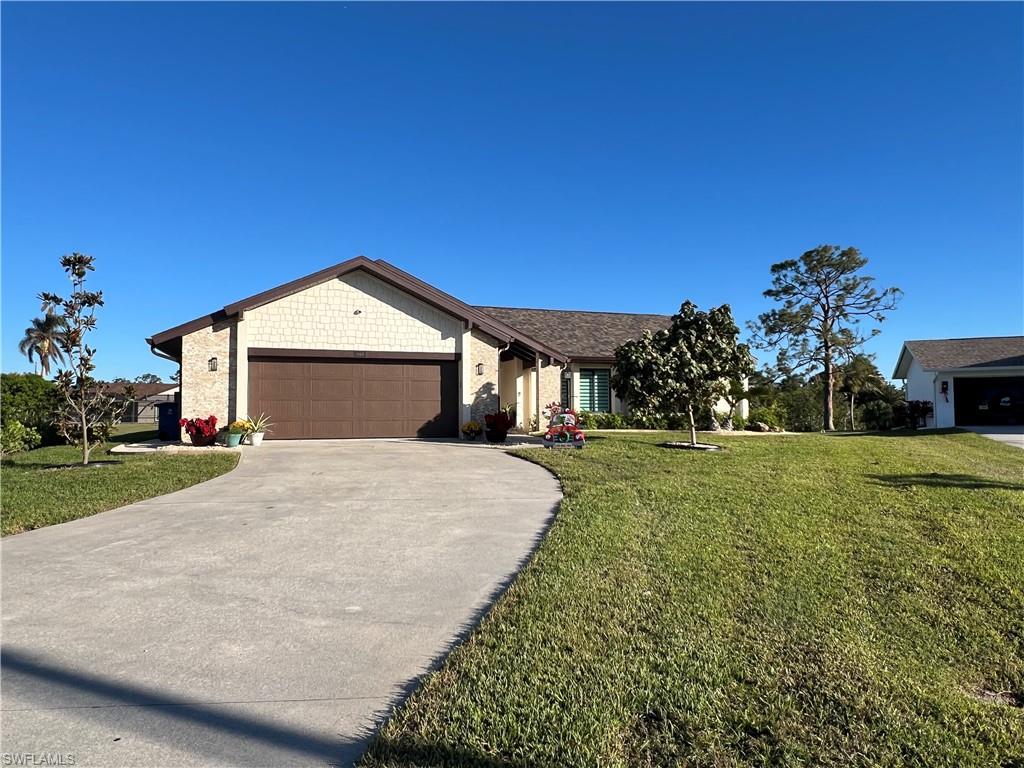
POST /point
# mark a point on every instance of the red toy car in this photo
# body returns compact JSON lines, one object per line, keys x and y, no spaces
{"x":563,"y":432}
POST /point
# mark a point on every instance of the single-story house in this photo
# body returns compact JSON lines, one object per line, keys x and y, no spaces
{"x":972,"y":382}
{"x":363,"y":349}
{"x":147,"y":397}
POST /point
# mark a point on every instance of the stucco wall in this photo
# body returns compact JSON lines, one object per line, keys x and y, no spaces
{"x":921,"y":386}
{"x":483,"y":388}
{"x":508,"y":377}
{"x":205,"y":392}
{"x":354,"y":312}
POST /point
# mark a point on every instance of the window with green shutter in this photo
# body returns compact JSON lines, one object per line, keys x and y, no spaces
{"x":595,"y":390}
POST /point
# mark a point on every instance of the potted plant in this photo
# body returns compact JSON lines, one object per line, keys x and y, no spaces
{"x":498,"y":425}
{"x":257,"y":428}
{"x":237,"y":429}
{"x":200,"y":431}
{"x":471,"y":430}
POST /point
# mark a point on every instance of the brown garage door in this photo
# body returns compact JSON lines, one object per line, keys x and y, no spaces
{"x":318,"y":398}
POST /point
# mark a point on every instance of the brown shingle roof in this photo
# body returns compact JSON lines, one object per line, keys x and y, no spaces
{"x":984,"y":352}
{"x":141,"y":390}
{"x":579,"y":334}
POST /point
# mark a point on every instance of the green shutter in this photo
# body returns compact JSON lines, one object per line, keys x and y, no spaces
{"x":595,"y":390}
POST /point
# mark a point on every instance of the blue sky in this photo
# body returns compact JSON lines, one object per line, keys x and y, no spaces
{"x":631,"y":156}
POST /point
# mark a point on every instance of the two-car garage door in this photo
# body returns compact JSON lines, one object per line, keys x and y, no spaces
{"x":332,"y":398}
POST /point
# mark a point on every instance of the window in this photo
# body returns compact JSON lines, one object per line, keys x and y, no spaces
{"x":595,"y":390}
{"x":566,"y":393}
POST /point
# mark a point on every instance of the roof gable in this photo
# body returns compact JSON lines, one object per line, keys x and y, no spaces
{"x":168,"y":341}
{"x":951,"y":354}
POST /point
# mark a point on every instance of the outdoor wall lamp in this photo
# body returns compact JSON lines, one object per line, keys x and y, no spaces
{"x":567,"y":374}
{"x":212,"y":364}
{"x":479,"y":369}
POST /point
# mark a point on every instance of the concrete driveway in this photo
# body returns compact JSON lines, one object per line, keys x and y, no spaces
{"x":268,"y":617}
{"x":1009,"y":435}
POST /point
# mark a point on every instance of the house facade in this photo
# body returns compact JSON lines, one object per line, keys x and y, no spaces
{"x":971,"y":382}
{"x":363,"y":349}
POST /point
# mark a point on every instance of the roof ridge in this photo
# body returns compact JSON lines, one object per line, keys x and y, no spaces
{"x":968,"y":338}
{"x":587,"y":311}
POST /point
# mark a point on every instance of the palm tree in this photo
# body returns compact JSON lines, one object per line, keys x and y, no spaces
{"x":42,"y":339}
{"x":859,"y":375}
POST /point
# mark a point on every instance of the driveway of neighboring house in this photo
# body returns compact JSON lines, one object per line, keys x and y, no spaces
{"x":1010,"y":435}
{"x":267,"y":617}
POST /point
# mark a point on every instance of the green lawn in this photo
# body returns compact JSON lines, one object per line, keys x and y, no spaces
{"x":793,"y":600}
{"x":134,"y":433}
{"x":33,"y":495}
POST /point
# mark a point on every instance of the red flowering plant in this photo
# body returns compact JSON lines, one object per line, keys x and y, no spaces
{"x":201,"y":431}
{"x":499,"y":422}
{"x":497,"y":426}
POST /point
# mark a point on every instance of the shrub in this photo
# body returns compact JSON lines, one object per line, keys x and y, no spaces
{"x":738,"y":422}
{"x":913,"y":413}
{"x":648,"y":421}
{"x":15,"y":437}
{"x":31,"y":400}
{"x":586,"y":420}
{"x":769,"y":416}
{"x":877,"y":415}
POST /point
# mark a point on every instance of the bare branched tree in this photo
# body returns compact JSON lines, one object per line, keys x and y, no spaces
{"x":86,"y":413}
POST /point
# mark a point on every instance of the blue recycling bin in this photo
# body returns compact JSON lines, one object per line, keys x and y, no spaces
{"x":168,"y":416}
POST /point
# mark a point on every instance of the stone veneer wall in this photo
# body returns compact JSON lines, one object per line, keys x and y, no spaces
{"x":354,"y":312}
{"x":205,"y":392}
{"x":550,"y":389}
{"x":483,"y":389}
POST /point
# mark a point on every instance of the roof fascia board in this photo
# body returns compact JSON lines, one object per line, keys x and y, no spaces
{"x":899,"y":365}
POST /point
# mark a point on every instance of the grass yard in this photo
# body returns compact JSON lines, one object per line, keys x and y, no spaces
{"x":794,"y":600}
{"x":33,"y":496}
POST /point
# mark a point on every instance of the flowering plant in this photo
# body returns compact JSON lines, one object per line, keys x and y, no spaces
{"x":203,"y":427}
{"x":239,"y":426}
{"x":472,"y":428}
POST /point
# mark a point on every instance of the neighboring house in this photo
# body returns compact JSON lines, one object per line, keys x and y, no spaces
{"x":147,"y":396}
{"x":363,"y":349}
{"x":972,"y":382}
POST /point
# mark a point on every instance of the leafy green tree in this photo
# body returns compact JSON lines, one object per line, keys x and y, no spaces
{"x":683,"y":369}
{"x":824,"y":299}
{"x":42,"y":342}
{"x":28,"y":398}
{"x":147,"y":378}
{"x":85,"y":413}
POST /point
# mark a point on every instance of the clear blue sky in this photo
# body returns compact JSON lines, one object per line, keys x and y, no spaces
{"x":630,"y":156}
